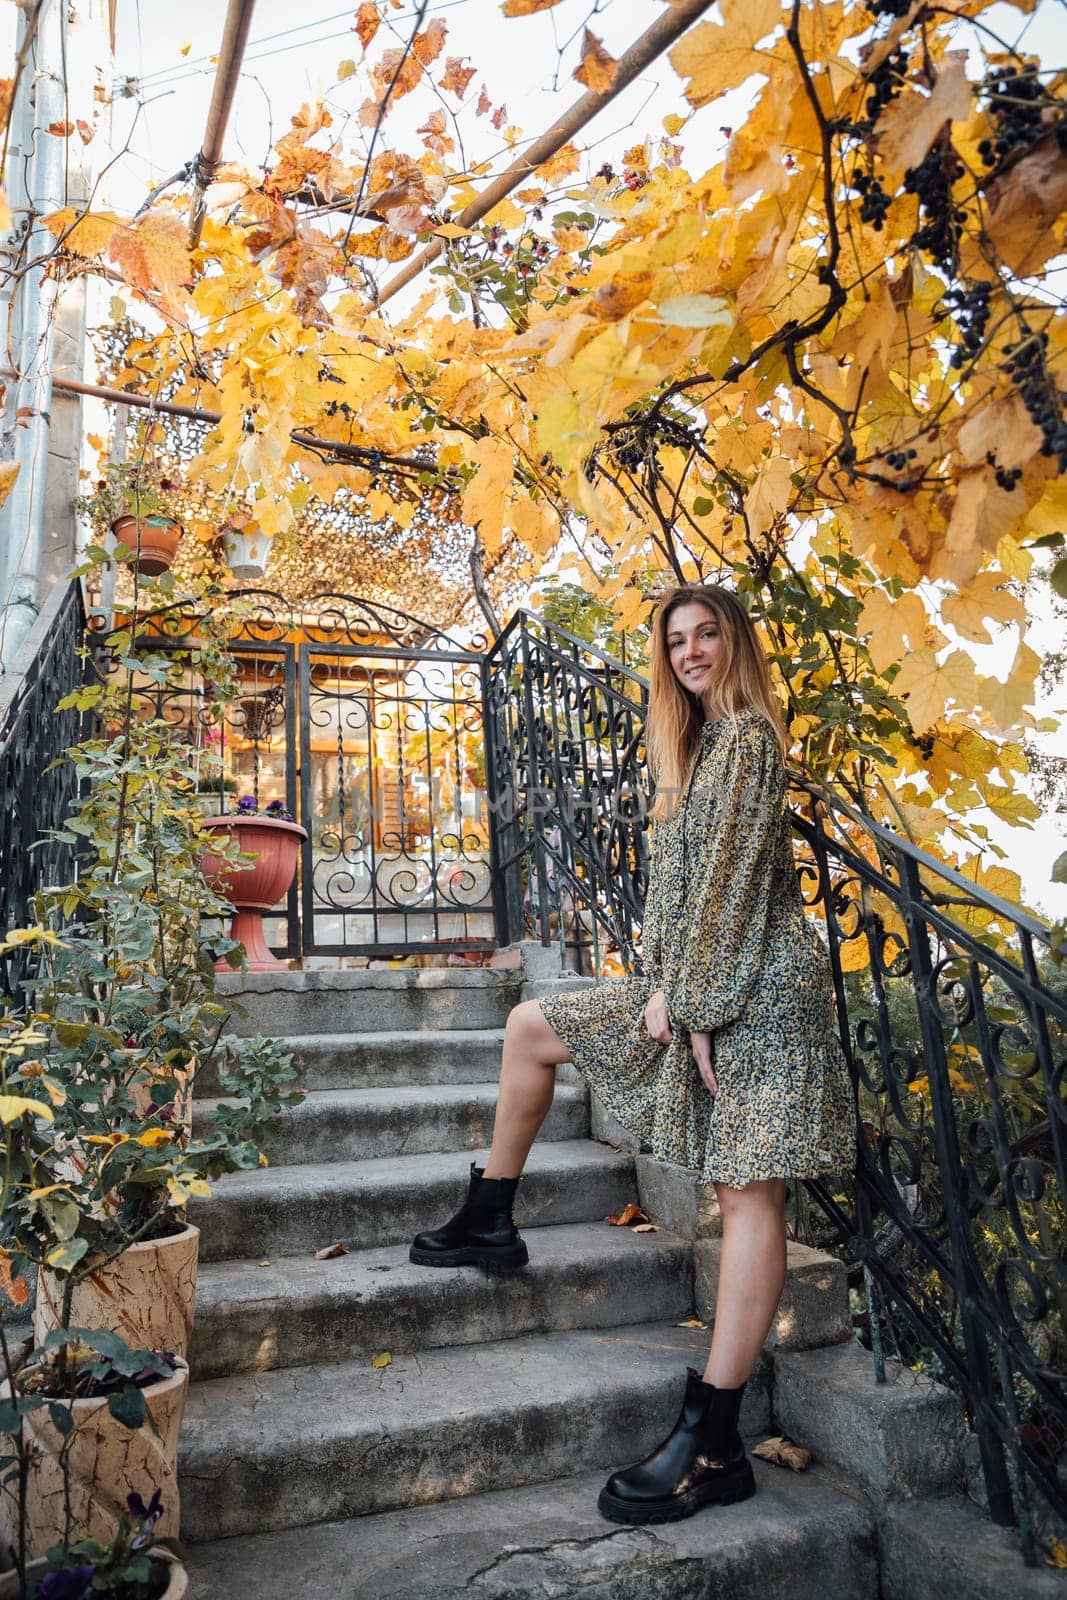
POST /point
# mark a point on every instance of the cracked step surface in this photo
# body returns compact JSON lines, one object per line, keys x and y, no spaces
{"x":797,"y":1539}
{"x":298,"y":1310}
{"x":312,"y":1444}
{"x":370,"y":1124}
{"x":375,"y":1060}
{"x":292,"y":1210}
{"x":284,"y":1004}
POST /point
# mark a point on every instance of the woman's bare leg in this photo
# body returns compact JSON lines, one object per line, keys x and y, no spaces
{"x":532,"y":1052}
{"x":751,"y":1278}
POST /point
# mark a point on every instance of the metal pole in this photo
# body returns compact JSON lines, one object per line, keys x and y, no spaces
{"x":40,"y":174}
{"x":652,"y":43}
{"x":228,"y":71}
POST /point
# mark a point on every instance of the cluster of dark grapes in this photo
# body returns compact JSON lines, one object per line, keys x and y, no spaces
{"x":940,"y":220}
{"x":630,"y":457}
{"x":884,"y":84}
{"x":899,"y":459}
{"x":889,"y":8}
{"x":875,"y":200}
{"x":1025,"y":365}
{"x":968,"y":304}
{"x":1018,"y":106}
{"x":1007,"y":477}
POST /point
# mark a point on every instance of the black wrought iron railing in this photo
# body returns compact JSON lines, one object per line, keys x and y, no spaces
{"x":953,"y":1017}
{"x":36,"y":784}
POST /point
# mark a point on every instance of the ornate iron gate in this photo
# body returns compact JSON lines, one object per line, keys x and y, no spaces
{"x":368,"y":725}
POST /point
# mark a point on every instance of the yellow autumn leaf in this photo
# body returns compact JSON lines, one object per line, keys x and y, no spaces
{"x":984,"y":600}
{"x":928,"y":686}
{"x":9,"y":471}
{"x":526,"y":8}
{"x":892,"y":626}
{"x":14,"y":1106}
{"x":382,"y":1359}
{"x":716,"y":56}
{"x":912,"y":121}
{"x":153,"y":1138}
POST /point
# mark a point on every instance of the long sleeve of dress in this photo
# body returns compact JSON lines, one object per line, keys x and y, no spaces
{"x":651,"y":934}
{"x":733,"y":855}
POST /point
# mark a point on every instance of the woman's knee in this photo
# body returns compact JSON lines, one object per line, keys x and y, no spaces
{"x":764,"y":1196}
{"x":527,"y":1030}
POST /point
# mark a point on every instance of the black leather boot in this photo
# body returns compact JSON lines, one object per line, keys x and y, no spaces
{"x":701,"y":1461}
{"x":481,"y":1233}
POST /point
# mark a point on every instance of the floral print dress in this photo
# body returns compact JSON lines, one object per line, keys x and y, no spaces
{"x":726,"y":938}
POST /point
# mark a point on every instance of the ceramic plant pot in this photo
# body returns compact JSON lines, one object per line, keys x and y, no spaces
{"x":254,"y":888}
{"x":106,"y":1462}
{"x":246,"y":551}
{"x":147,"y":1295}
{"x":158,"y":545}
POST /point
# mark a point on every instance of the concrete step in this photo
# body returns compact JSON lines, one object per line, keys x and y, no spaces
{"x":797,"y":1539}
{"x":310,"y":1444}
{"x":288,"y":1004}
{"x":288,"y":1211}
{"x":298,"y":1310}
{"x":376,"y":1060}
{"x":895,"y":1440}
{"x":365,"y":1124}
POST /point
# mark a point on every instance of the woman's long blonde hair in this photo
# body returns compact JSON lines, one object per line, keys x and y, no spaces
{"x":675,"y":716}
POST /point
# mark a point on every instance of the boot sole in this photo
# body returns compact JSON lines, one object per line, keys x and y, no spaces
{"x":511,"y":1259}
{"x":678,"y":1507}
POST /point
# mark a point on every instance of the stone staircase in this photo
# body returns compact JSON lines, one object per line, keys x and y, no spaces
{"x":469,"y":1464}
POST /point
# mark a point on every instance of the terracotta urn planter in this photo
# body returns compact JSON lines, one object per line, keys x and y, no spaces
{"x":254,"y":888}
{"x":105,"y":1462}
{"x":158,"y":541}
{"x":147,"y":1295}
{"x":177,"y":1577}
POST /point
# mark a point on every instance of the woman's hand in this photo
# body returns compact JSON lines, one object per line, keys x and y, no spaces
{"x":700,"y":1044}
{"x":657,"y":1022}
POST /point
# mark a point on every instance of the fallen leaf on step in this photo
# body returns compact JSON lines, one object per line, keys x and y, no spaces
{"x":692,"y":1322}
{"x":1057,"y":1556}
{"x":783,"y":1452}
{"x":644,"y":1227}
{"x":328,"y":1251}
{"x":628,"y":1214}
{"x":383,"y":1359}
{"x":264,"y":1263}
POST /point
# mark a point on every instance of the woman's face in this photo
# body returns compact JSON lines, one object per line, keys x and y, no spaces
{"x":694,"y":646}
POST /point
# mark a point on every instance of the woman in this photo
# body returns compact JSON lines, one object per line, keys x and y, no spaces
{"x":724,"y":1055}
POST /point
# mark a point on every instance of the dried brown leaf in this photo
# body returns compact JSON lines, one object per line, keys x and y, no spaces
{"x":628,"y":1214}
{"x":526,"y":8}
{"x":782,"y":1452}
{"x":645,"y":1227}
{"x":368,"y":19}
{"x":691,"y":1322}
{"x":597,"y":69}
{"x":328,"y":1251}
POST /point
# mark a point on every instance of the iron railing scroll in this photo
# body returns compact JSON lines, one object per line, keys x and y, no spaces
{"x":37,"y":785}
{"x":953,"y":1018}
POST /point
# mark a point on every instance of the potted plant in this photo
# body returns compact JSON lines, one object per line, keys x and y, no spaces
{"x":138,"y":502}
{"x":246,"y":547}
{"x":89,"y":1423}
{"x":269,"y":843}
{"x":137,"y":1564}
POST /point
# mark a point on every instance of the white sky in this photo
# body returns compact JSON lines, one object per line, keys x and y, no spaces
{"x":526,"y":64}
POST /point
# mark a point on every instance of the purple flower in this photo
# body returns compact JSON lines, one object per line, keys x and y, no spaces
{"x":146,"y":1516}
{"x":247,"y":802}
{"x":69,"y":1583}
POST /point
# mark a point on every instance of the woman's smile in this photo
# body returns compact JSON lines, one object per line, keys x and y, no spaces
{"x":694,"y":645}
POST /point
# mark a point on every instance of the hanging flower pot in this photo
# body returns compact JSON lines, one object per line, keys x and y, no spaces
{"x":157,"y":546}
{"x":147,"y":1295}
{"x":246,"y":549}
{"x":254,"y":888}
